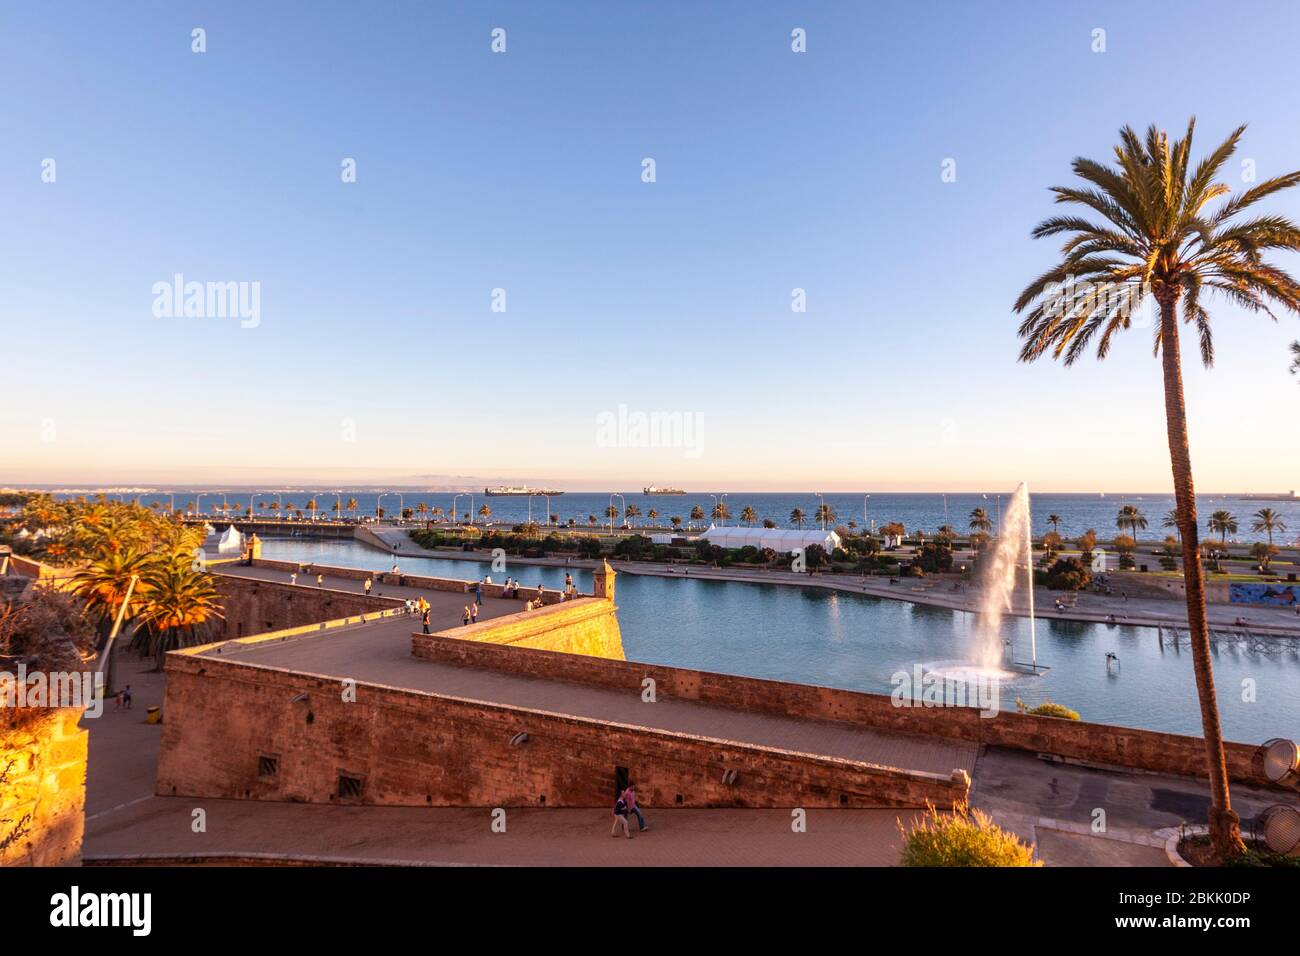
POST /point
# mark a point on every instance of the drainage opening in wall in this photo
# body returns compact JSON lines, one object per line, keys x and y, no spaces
{"x":349,"y":786}
{"x":268,"y":765}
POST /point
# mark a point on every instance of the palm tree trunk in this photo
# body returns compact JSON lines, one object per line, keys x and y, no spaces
{"x":1225,"y":825}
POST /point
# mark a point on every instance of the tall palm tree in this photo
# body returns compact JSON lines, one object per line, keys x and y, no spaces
{"x":825,"y":514}
{"x":1158,"y":237}
{"x":1224,"y":523}
{"x":1266,"y":519}
{"x":1295,"y":360}
{"x":797,"y":517}
{"x":178,"y":602}
{"x":353,"y":506}
{"x":1170,"y":519}
{"x":697,"y":513}
{"x":979,"y":521}
{"x":484,"y":512}
{"x":1055,"y":522}
{"x":721,"y":512}
{"x":748,"y":515}
{"x":652,"y":514}
{"x":1132,"y":518}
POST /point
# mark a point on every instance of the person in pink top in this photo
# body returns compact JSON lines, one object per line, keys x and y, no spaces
{"x":629,"y":799}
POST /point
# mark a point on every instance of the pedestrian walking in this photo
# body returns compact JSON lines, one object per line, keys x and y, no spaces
{"x":629,"y":801}
{"x":473,"y":613}
{"x":293,"y":578}
{"x":424,"y":620}
{"x":464,"y":618}
{"x":620,"y":819}
{"x":320,"y":580}
{"x":369,"y":584}
{"x":478,"y":593}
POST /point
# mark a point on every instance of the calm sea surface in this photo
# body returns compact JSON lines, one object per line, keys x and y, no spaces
{"x":858,"y":642}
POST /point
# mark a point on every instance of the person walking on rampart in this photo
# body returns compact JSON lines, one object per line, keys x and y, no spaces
{"x":629,"y":800}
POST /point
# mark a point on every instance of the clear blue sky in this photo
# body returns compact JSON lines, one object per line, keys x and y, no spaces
{"x":522,"y":171}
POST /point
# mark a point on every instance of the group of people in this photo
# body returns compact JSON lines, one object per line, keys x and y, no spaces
{"x":624,"y":806}
{"x":511,"y":589}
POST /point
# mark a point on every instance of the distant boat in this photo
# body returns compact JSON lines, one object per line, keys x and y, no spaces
{"x":518,"y":491}
{"x":1287,"y":496}
{"x":656,"y":490}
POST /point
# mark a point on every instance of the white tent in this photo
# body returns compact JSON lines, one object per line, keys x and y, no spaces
{"x":780,"y":540}
{"x":232,"y":542}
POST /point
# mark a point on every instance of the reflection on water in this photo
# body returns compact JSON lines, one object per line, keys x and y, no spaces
{"x":836,"y":639}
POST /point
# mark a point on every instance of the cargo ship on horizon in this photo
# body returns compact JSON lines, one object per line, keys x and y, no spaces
{"x":655,"y":490}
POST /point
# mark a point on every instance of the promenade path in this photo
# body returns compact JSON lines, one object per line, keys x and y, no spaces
{"x":126,"y":822}
{"x":1050,"y":805}
{"x":380,"y":652}
{"x":446,"y":608}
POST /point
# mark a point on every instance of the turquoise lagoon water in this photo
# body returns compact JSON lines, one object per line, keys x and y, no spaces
{"x":858,"y":642}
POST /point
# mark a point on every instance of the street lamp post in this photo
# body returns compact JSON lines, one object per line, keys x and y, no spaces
{"x":622,"y":502}
{"x":821,"y":508}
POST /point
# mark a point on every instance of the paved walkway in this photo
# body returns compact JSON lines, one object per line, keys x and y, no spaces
{"x":126,"y":822}
{"x":446,"y":608}
{"x":380,"y":652}
{"x":160,"y":829}
{"x":1057,"y":805}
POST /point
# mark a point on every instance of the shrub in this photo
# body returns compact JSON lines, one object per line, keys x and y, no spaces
{"x":1068,"y":574}
{"x":1047,"y":709}
{"x":633,"y":546}
{"x":934,"y":558}
{"x":589,"y":547}
{"x":964,"y":837}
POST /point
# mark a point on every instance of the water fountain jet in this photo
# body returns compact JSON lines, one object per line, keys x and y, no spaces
{"x":1014,"y":539}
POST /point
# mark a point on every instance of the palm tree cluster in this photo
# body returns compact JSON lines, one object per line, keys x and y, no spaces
{"x":119,"y":549}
